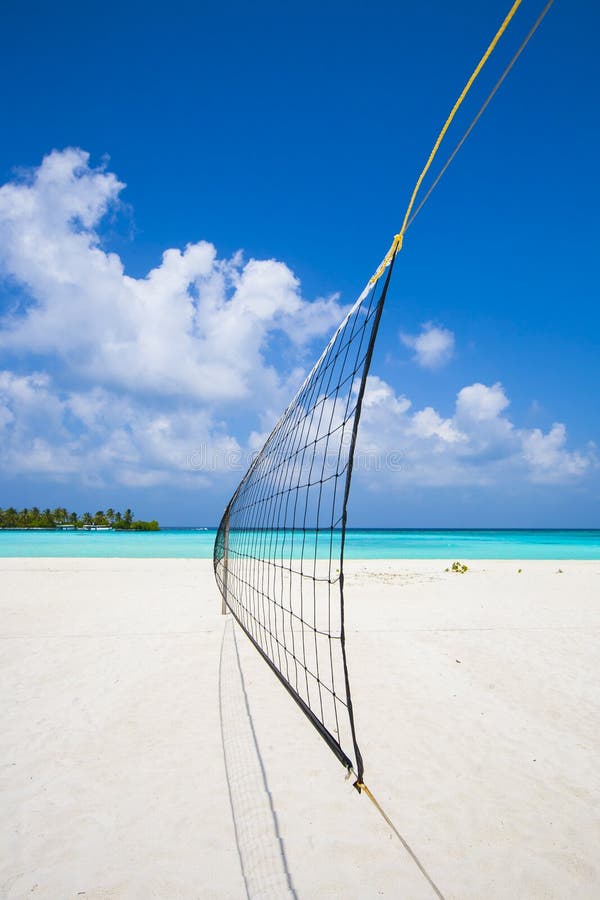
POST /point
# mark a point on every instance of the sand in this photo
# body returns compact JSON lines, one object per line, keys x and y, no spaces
{"x":477,"y":706}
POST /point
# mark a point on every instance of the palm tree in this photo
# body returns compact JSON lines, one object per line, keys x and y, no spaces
{"x":47,"y":519}
{"x":127,"y":518}
{"x":59,"y":515}
{"x":86,"y":519}
{"x":110,"y":514}
{"x":100,"y":518}
{"x":11,"y":517}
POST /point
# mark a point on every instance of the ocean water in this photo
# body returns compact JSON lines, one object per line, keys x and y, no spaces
{"x":186,"y":543}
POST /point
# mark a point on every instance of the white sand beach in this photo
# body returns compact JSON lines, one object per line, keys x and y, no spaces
{"x":477,"y":702}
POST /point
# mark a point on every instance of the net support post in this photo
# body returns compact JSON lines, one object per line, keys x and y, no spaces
{"x":225,"y":563}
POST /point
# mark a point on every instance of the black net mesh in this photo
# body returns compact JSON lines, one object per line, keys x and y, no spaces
{"x":279,"y":549}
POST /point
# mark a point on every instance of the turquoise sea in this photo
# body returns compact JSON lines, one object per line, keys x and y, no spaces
{"x":186,"y":543}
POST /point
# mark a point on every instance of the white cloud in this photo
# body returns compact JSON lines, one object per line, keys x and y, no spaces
{"x":476,"y":445}
{"x":100,"y":436}
{"x":428,"y":423}
{"x":379,"y":394}
{"x":195,"y":326}
{"x":479,"y":403}
{"x":433,"y":347}
{"x":198,"y":329}
{"x":548,"y":457}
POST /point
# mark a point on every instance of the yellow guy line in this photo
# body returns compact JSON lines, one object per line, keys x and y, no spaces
{"x":398,"y":238}
{"x":480,"y":112}
{"x":361,"y":786}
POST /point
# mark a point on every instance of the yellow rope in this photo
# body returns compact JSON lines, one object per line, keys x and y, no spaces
{"x":481,"y":111}
{"x":361,"y":786}
{"x":398,"y":238}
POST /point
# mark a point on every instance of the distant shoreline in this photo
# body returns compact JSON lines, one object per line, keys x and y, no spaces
{"x":61,"y":519}
{"x":61,"y":528}
{"x":71,"y":528}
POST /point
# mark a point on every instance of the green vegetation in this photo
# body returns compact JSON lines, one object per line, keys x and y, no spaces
{"x":61,"y":517}
{"x":459,"y":568}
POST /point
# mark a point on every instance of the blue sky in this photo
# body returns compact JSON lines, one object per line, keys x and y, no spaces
{"x":281,"y":144}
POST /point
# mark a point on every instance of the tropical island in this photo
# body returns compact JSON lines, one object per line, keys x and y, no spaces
{"x":60,"y":518}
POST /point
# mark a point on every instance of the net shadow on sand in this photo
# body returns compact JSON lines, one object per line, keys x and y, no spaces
{"x":259,"y":843}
